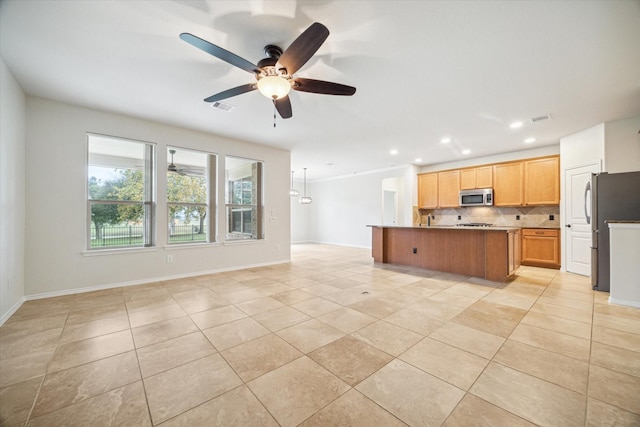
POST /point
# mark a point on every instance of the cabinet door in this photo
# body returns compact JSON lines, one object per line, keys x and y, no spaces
{"x":541,"y":248}
{"x":542,"y":181}
{"x":484,"y":177}
{"x":449,"y":189}
{"x":507,"y":184}
{"x":468,"y":179}
{"x":428,"y":190}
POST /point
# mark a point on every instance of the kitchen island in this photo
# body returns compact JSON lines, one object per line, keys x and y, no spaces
{"x":491,"y":253}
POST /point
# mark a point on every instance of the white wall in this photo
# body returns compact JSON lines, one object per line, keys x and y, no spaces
{"x":622,"y":145}
{"x":56,"y":205}
{"x":343,"y":207}
{"x":12,"y":190}
{"x":582,"y":148}
{"x":300,"y":217}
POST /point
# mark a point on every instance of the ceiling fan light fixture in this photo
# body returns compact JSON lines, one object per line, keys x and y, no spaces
{"x":274,"y":87}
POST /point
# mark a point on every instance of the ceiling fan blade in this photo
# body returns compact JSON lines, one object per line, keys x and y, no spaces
{"x":220,"y":53}
{"x":283,"y":105}
{"x":239,"y":90}
{"x":303,"y":48}
{"x":322,"y":87}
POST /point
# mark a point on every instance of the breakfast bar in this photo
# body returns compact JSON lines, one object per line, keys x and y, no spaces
{"x":491,"y":253}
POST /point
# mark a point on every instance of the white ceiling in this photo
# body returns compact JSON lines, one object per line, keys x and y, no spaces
{"x":423,"y":70}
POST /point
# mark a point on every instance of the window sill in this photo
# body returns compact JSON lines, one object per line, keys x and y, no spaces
{"x":243,"y":242}
{"x":178,"y":246}
{"x":101,"y":252}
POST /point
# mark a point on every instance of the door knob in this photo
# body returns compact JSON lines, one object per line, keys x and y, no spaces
{"x":568,"y":225}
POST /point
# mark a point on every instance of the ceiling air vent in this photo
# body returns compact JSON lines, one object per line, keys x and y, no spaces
{"x":222,"y":106}
{"x":540,"y":118}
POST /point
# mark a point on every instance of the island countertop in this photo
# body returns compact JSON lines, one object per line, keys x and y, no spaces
{"x":450,"y":227}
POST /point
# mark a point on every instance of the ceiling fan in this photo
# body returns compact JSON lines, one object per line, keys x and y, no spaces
{"x":182,"y":170}
{"x":274,"y":74}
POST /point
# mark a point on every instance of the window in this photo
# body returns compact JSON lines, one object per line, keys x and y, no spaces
{"x":120,"y":190}
{"x":190,"y":195}
{"x":243,"y":198}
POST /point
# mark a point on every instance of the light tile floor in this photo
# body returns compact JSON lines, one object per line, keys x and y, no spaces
{"x":329,"y":339}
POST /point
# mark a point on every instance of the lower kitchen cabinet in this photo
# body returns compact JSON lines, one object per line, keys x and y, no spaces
{"x":541,"y":247}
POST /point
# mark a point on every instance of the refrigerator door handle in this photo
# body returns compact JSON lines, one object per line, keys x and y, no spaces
{"x":587,"y":189}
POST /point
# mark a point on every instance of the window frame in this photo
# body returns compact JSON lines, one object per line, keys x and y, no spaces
{"x":210,"y":175}
{"x":148,"y":201}
{"x":230,"y":208}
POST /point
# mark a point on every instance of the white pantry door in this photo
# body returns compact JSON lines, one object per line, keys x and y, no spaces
{"x":577,"y":233}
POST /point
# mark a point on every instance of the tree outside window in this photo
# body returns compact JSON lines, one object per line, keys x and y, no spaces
{"x":188,"y":197}
{"x":119,"y":192}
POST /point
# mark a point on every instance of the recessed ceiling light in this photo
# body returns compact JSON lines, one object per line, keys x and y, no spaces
{"x":516,"y":125}
{"x":445,"y":140}
{"x":418,"y":160}
{"x":393,"y":152}
{"x":529,"y":140}
{"x":466,"y":151}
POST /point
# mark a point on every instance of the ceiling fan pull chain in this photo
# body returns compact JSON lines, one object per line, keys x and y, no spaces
{"x":274,"y":113}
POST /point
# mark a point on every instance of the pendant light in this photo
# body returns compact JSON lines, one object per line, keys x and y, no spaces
{"x":293,"y":192}
{"x":305,"y":200}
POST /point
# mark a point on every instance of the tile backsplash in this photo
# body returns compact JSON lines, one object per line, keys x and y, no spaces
{"x":530,"y":216}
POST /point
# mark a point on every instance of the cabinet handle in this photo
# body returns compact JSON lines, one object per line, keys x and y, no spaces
{"x":539,"y":232}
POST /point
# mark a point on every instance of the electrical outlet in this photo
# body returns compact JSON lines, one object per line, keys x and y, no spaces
{"x":169,"y":258}
{"x":551,"y":217}
{"x":415,"y":250}
{"x":517,"y":217}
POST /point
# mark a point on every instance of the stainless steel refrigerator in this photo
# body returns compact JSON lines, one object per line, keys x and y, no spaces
{"x":614,"y":196}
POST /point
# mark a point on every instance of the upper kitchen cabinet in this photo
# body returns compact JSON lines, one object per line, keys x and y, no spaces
{"x":507,"y":184}
{"x":428,"y":190}
{"x":480,"y":177}
{"x":542,"y":181}
{"x":449,"y":189}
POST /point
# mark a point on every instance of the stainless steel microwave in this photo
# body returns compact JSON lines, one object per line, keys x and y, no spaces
{"x":478,"y":197}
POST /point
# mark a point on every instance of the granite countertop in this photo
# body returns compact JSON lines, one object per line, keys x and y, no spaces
{"x":450,"y":227}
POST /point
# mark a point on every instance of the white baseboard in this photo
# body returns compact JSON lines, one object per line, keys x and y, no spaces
{"x":339,"y":244}
{"x":628,"y":303}
{"x":144,"y":281}
{"x":12,"y":310}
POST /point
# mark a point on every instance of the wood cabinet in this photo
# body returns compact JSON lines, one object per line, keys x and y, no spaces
{"x":449,"y":189}
{"x":541,"y":247}
{"x":439,"y":189}
{"x":507,"y":184}
{"x":428,"y":190}
{"x":542,"y":181}
{"x":480,"y":177}
{"x":531,"y":182}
